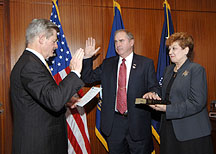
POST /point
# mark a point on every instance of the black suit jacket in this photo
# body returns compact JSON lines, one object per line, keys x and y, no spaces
{"x":142,"y":79}
{"x":39,"y":107}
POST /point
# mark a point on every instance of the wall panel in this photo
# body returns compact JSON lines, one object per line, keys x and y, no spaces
{"x":22,"y":12}
{"x":5,"y":116}
{"x":196,"y":5}
{"x":2,"y":116}
{"x":139,"y":4}
{"x":83,"y":18}
{"x":201,"y":25}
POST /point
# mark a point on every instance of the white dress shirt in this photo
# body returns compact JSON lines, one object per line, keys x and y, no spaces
{"x":128,"y":63}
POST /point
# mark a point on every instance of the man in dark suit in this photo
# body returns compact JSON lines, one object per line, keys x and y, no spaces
{"x":127,"y":130}
{"x":38,"y":102}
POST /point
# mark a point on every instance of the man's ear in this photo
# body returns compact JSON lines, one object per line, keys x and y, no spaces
{"x":132,"y":42}
{"x":41,"y":38}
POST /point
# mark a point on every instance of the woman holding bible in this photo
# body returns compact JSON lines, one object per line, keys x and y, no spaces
{"x":185,"y":126}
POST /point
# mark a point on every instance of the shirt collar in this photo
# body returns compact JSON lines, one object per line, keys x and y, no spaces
{"x":37,"y":54}
{"x":128,"y":58}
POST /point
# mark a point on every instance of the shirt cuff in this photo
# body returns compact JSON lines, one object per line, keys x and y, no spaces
{"x":77,"y":73}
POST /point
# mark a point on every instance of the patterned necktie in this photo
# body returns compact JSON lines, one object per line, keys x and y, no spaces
{"x":121,"y":93}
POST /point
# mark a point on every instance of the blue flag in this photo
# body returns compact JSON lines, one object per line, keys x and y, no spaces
{"x":163,"y":59}
{"x":117,"y":24}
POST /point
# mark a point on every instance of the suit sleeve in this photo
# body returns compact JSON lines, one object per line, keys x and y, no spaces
{"x":42,"y":87}
{"x":89,"y":75}
{"x":196,"y":97}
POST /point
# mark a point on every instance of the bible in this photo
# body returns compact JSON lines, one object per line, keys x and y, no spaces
{"x":151,"y":101}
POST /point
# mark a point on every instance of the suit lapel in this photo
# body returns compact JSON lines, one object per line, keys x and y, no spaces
{"x":114,"y":75}
{"x":34,"y":56}
{"x":169,"y":73}
{"x":132,"y":75}
{"x":37,"y":59}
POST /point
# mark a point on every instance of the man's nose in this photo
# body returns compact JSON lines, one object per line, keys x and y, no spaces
{"x":117,"y":43}
{"x":56,"y":45}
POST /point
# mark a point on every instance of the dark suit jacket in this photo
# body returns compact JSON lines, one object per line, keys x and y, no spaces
{"x":188,"y":96}
{"x":142,"y":79}
{"x":39,"y":107}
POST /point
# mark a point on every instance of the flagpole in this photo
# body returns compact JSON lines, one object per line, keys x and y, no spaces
{"x":57,"y":10}
{"x":167,"y":7}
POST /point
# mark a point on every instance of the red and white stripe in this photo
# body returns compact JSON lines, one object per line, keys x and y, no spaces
{"x":78,"y":136}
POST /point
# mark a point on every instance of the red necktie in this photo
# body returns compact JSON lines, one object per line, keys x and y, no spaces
{"x":121,"y":93}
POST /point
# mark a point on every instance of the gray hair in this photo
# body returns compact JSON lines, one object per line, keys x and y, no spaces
{"x":38,"y":26}
{"x":129,"y":34}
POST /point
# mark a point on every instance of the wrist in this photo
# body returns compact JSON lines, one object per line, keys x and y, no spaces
{"x":76,"y":72}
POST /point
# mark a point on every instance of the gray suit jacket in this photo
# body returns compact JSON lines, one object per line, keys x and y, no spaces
{"x":188,"y":96}
{"x":39,"y":107}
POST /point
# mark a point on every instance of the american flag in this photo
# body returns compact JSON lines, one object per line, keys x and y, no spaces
{"x":78,"y":137}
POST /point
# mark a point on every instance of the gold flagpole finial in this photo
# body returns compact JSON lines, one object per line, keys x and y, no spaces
{"x":116,"y":4}
{"x":54,"y":2}
{"x":167,"y":16}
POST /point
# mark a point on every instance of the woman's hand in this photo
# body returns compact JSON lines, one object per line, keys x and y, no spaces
{"x":159,"y":107}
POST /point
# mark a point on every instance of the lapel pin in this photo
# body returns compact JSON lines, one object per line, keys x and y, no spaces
{"x":185,"y":73}
{"x":134,"y":66}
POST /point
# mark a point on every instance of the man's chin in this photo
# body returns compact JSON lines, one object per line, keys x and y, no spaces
{"x":53,"y":55}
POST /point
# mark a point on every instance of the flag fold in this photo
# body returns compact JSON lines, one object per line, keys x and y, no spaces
{"x":117,"y":24}
{"x":163,"y":61}
{"x":78,"y":137}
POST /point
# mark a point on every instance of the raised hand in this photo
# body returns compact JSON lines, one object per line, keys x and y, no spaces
{"x":90,"y":48}
{"x":76,"y":61}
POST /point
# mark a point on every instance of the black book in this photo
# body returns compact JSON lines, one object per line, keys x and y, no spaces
{"x":151,"y":101}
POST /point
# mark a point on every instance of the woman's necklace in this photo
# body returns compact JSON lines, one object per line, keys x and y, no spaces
{"x":176,"y":69}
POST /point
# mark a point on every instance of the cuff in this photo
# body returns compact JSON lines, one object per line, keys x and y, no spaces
{"x":77,"y":73}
